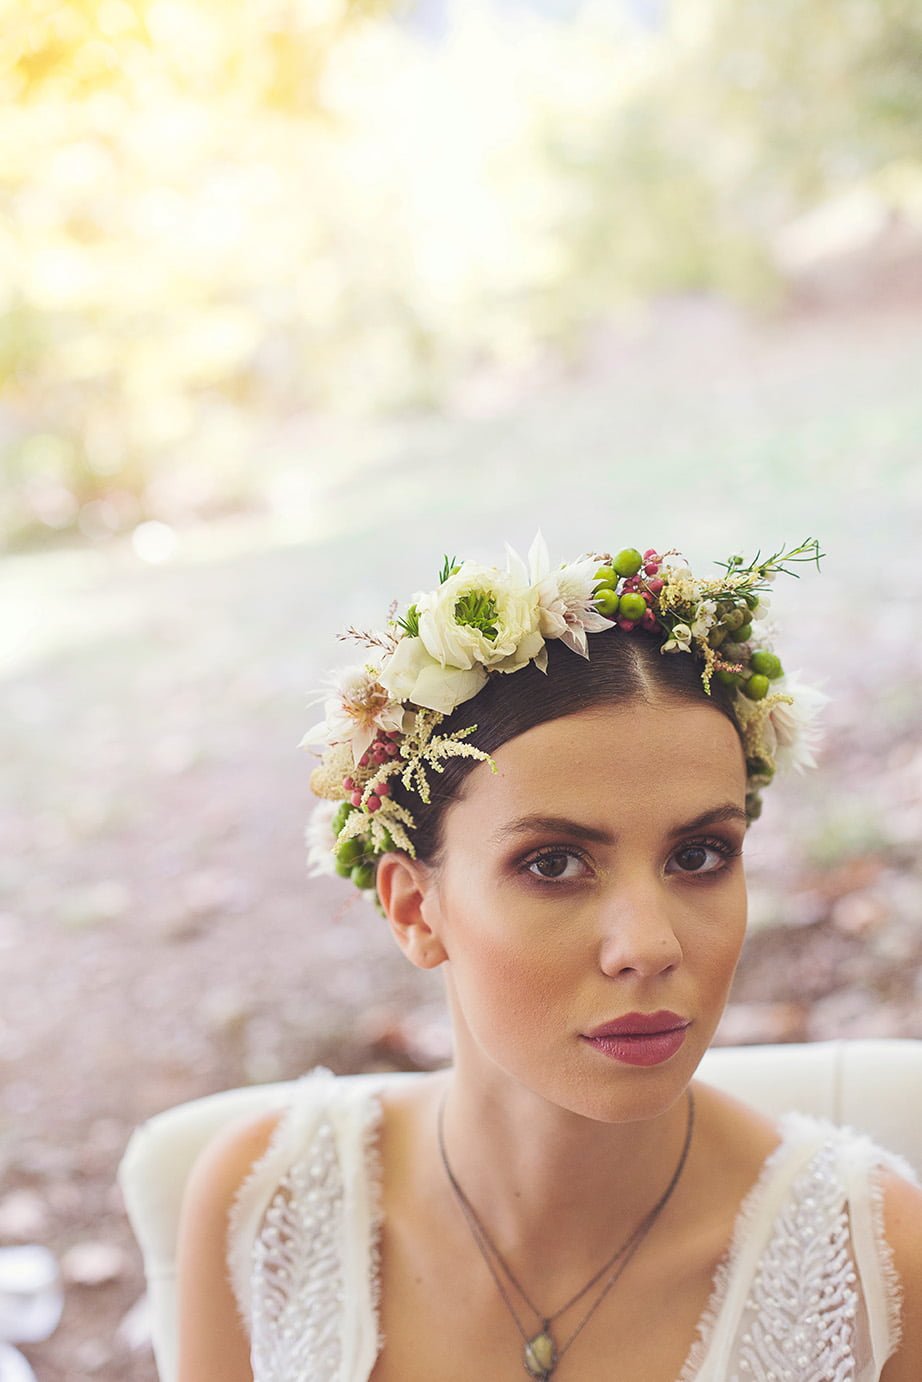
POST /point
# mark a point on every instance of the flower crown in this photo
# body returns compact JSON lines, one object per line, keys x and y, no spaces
{"x":382,"y":721}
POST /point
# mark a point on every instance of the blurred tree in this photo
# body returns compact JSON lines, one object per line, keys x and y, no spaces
{"x":216,"y":213}
{"x":272,"y":52}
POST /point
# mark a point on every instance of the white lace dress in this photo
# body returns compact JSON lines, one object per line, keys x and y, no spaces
{"x":806,"y":1293}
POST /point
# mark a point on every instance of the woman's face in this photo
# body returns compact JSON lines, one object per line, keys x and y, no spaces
{"x":597,"y":873}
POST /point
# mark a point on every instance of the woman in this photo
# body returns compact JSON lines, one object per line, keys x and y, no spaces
{"x":565,"y":1200}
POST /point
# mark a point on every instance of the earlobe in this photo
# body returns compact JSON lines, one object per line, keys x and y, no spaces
{"x":407,"y":892}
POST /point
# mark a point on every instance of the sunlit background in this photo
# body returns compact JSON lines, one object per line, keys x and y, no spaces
{"x":299,"y":296}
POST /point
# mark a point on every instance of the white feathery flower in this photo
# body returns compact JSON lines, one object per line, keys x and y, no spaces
{"x":360,"y":707}
{"x":319,"y":838}
{"x":566,"y":608}
{"x":797,"y":729}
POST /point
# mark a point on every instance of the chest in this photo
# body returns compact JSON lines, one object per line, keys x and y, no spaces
{"x":452,"y":1324}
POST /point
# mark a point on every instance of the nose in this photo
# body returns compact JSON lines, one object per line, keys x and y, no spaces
{"x":637,"y":933}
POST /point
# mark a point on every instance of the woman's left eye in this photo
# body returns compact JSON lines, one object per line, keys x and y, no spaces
{"x":703,"y":856}
{"x":555,"y":864}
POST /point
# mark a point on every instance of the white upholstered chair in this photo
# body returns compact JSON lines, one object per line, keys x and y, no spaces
{"x":874,"y":1086}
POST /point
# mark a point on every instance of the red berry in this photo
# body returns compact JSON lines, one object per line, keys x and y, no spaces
{"x":392,"y":749}
{"x":348,"y":784}
{"x":648,"y":597}
{"x":650,"y":552}
{"x":626,"y":624}
{"x":651,"y":568}
{"x":364,"y":760}
{"x":373,"y":803}
{"x":356,"y":798}
{"x":655,"y":585}
{"x":393,"y":733}
{"x":383,"y":789}
{"x":378,"y":753}
{"x":649,"y":619}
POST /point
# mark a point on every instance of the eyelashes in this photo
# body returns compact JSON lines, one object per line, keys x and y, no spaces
{"x":554,"y":854}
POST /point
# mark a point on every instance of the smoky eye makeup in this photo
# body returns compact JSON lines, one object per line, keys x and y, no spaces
{"x":695,"y":852}
{"x":701,"y":858}
{"x":556,"y":862}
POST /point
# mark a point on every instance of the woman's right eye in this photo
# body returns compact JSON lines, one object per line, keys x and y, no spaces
{"x":553,"y":865}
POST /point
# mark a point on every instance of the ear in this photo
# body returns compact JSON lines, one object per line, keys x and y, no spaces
{"x":409,"y":896}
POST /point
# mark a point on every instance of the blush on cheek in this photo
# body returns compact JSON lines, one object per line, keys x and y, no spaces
{"x":509,"y":985}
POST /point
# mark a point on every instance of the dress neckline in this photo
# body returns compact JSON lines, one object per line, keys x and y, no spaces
{"x":793,"y":1127}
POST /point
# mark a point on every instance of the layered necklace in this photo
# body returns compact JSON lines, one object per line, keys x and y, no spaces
{"x":541,"y":1353}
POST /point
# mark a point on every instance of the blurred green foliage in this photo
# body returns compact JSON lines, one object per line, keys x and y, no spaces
{"x":219,"y":213}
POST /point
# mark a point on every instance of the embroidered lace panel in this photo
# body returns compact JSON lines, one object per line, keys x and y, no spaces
{"x":804,"y":1316}
{"x":297,"y":1283}
{"x":802,"y":1303}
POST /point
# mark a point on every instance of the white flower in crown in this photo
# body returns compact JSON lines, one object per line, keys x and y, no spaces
{"x":796,"y":727}
{"x":320,"y":839}
{"x":566,"y":607}
{"x":679,"y":640}
{"x":360,"y":707}
{"x":705,"y":616}
{"x":411,"y":674}
{"x":479,"y":617}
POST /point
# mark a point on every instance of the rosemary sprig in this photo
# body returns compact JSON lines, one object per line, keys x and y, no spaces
{"x":808,"y":550}
{"x":410,"y":622}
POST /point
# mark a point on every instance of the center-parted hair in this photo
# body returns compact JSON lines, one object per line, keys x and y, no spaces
{"x":620,"y":671}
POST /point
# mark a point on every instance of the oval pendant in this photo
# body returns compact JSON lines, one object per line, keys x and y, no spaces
{"x":540,"y":1355}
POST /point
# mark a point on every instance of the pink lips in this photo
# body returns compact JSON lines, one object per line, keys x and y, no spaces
{"x":641,"y":1038}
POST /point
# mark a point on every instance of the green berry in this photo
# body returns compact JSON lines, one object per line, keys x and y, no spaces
{"x":632,"y":606}
{"x":628,"y":562}
{"x":768,"y":664}
{"x":387,"y":843}
{"x":363,"y":875}
{"x":350,"y":852}
{"x":729,"y":678}
{"x":717,"y":636}
{"x":760,"y":768}
{"x":756,"y":688}
{"x":753,"y":805}
{"x":344,"y":870}
{"x":744,"y":633}
{"x":752,"y":599}
{"x":606,"y":602}
{"x":733,"y":619}
{"x":341,"y":815}
{"x":606,"y":576}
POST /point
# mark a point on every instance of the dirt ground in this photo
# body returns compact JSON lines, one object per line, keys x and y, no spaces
{"x":158,"y":936}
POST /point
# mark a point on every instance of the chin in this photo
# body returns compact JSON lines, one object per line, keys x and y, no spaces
{"x":608,"y":1092}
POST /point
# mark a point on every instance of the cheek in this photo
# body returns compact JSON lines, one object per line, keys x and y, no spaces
{"x":505,"y":971}
{"x":715,"y":947}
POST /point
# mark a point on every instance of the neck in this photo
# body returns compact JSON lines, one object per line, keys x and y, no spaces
{"x":548,"y":1184}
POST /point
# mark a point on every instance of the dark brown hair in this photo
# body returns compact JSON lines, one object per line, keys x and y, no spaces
{"x":621,"y":667}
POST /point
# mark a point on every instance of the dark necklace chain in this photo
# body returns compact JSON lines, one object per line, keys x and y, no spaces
{"x":625,"y":1251}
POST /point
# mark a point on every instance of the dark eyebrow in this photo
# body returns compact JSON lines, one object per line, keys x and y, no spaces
{"x":524,"y":824}
{"x":729,"y":811}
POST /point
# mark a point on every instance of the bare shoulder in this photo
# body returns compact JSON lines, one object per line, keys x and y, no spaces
{"x":903,"y":1230}
{"x":736,"y":1134}
{"x":213,"y":1344}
